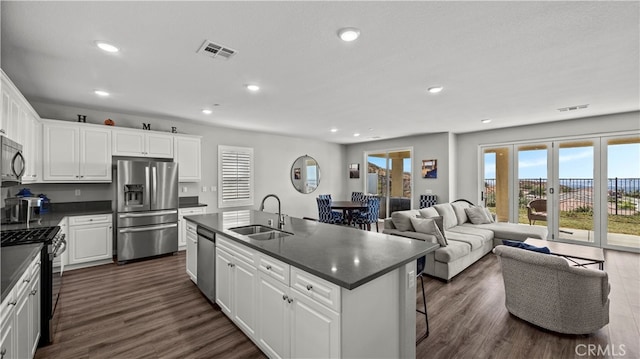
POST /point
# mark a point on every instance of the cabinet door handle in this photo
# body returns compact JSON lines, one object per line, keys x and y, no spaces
{"x":285,"y":297}
{"x":13,"y":303}
{"x":290,"y":300}
{"x":27,"y":280}
{"x":4,"y":350}
{"x":268,"y":267}
{"x":309,"y":287}
{"x":33,"y":292}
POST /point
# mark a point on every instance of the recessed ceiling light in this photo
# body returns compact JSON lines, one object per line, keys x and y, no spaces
{"x":435,"y":89}
{"x":334,"y":130}
{"x":348,"y":34}
{"x":101,"y":93}
{"x":207,"y":112}
{"x":106,"y":47}
{"x":253,"y":88}
{"x":356,"y":134}
{"x":486,"y":120}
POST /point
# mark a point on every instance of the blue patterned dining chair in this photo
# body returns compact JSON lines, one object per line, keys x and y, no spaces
{"x":370,"y":215}
{"x":357,"y":197}
{"x":325,"y":214}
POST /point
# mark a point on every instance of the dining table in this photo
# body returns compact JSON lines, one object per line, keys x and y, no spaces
{"x":348,"y":208}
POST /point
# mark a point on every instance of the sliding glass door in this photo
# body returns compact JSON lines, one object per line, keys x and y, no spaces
{"x":389,"y":176}
{"x":621,"y":219}
{"x":585,"y":191}
{"x":576,"y":191}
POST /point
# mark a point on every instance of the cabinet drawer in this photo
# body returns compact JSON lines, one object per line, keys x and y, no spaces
{"x":190,"y":211}
{"x":92,"y":219}
{"x":239,"y":252}
{"x":276,"y":269}
{"x":322,"y":291}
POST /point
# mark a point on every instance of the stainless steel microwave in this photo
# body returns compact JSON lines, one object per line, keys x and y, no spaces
{"x":12,"y":162}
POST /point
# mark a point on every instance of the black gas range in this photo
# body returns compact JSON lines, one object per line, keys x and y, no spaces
{"x":54,"y":244}
{"x":15,"y":237}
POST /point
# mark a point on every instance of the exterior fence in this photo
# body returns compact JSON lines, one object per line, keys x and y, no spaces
{"x":576,"y":194}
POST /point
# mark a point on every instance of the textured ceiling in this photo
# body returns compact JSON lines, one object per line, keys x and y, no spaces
{"x":515,"y":63}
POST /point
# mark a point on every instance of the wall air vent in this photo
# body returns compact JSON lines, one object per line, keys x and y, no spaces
{"x":572,"y":108}
{"x":214,"y":50}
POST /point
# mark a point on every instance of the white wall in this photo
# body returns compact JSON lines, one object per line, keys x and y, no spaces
{"x":467,"y":149}
{"x":273,"y":156}
{"x":425,"y":147}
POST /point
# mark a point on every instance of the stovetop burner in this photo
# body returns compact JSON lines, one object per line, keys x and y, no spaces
{"x":28,"y":236}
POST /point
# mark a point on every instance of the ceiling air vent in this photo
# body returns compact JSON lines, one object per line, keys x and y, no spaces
{"x":214,"y":50}
{"x":572,"y":108}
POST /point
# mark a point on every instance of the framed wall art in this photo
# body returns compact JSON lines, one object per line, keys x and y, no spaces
{"x":429,"y":168}
{"x":354,"y":170}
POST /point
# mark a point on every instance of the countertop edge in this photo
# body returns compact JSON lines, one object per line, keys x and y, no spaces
{"x":343,"y":284}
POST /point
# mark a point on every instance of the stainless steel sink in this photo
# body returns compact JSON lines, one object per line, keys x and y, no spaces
{"x":251,"y":229}
{"x":260,"y":232}
{"x":265,"y":236}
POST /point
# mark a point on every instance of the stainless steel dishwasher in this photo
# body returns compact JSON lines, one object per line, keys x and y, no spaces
{"x":206,"y":263}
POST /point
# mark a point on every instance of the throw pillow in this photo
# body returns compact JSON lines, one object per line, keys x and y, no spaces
{"x":447,"y":213}
{"x":402,"y":220}
{"x":490,"y":215}
{"x":429,"y":226}
{"x":428,"y":212}
{"x":526,"y":246}
{"x":458,"y":208}
{"x":477,"y":215}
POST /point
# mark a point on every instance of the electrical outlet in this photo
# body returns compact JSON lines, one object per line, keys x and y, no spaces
{"x":428,"y":191}
{"x":184,"y":189}
{"x":77,"y":192}
{"x":411,"y":279}
{"x":204,"y":188}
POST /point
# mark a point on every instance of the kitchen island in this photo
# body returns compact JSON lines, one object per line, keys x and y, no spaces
{"x":321,"y":291}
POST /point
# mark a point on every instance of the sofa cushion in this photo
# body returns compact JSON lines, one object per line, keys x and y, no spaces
{"x":429,"y":226}
{"x":409,"y":234}
{"x":458,"y":208}
{"x":428,"y":212}
{"x":448,"y":215}
{"x":477,"y":215}
{"x":474,"y":241}
{"x":402,"y":219}
{"x":513,"y":231}
{"x":455,"y":250}
{"x":486,"y":234}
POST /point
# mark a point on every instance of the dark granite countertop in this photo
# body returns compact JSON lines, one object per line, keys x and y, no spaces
{"x":189,"y":202}
{"x":191,"y":205}
{"x":14,"y":261}
{"x":346,"y":256}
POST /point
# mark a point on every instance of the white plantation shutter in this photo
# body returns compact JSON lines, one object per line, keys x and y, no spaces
{"x":235,"y":176}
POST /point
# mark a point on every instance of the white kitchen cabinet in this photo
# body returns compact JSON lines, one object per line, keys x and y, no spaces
{"x":21,"y":123}
{"x":273,"y":317}
{"x":76,"y":153}
{"x":32,"y":148}
{"x":192,"y":250}
{"x":34,"y":312}
{"x":20,"y":315}
{"x":187,"y":155}
{"x":182,"y":223}
{"x":236,"y":284}
{"x":139,"y":143}
{"x":90,"y":238}
{"x":293,"y":325}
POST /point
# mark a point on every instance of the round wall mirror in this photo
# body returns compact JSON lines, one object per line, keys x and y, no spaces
{"x":305,"y":174}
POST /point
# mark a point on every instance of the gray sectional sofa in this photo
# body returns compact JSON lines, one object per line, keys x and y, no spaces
{"x":465,"y":242}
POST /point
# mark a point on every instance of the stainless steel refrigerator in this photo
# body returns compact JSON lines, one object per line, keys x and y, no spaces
{"x":146,"y":219}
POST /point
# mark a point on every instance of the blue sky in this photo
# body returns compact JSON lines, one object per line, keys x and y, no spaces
{"x":575,"y":162}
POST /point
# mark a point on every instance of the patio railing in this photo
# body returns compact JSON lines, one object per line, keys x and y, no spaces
{"x":576,"y":194}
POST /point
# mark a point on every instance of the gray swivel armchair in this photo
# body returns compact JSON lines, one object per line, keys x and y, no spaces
{"x":545,"y":290}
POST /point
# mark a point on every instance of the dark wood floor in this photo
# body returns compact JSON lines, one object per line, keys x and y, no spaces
{"x":151,"y":309}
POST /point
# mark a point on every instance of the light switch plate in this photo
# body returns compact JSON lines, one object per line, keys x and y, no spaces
{"x":204,"y":188}
{"x":411,"y":279}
